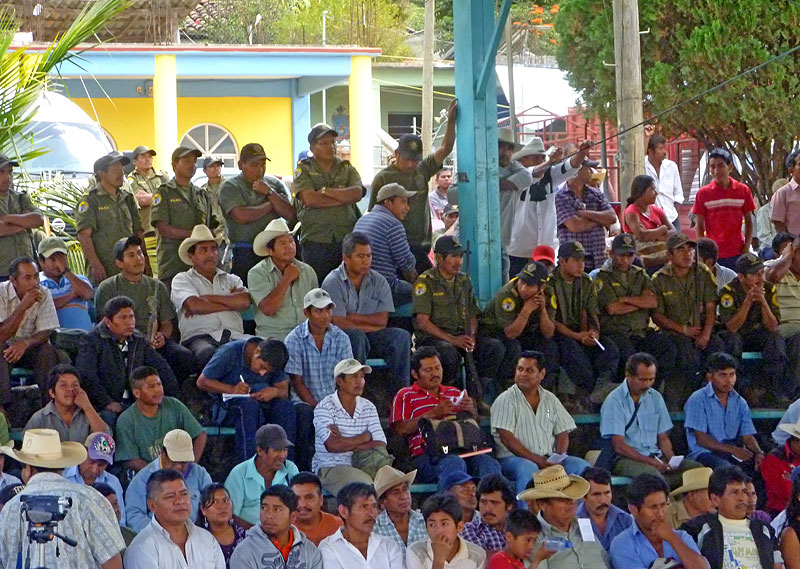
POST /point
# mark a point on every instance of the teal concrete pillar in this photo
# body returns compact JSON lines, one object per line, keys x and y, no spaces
{"x":301,"y":122}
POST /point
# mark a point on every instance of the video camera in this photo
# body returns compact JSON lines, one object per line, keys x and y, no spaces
{"x":44,"y":510}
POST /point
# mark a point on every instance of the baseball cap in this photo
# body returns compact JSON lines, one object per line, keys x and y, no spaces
{"x":624,"y":243}
{"x":182,"y":151}
{"x":590,"y":163}
{"x":453,"y":477}
{"x":139,"y":150}
{"x":253,"y":151}
{"x":447,"y":245}
{"x":544,"y":253}
{"x":392,"y":190}
{"x":209,"y":160}
{"x":721,"y":153}
{"x":449,"y":208}
{"x":100,"y":446}
{"x":178,"y":445}
{"x":51,"y":245}
{"x":318,"y":298}
{"x":111,"y":158}
{"x":273,"y":437}
{"x":678,"y":239}
{"x":571,"y":250}
{"x":5,"y":161}
{"x":533,"y":273}
{"x":748,"y":264}
{"x":409,"y":146}
{"x":124,"y":243}
{"x":319,"y":130}
{"x":350,"y":365}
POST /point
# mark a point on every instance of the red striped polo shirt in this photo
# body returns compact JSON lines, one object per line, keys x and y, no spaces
{"x":724,"y":210}
{"x":414,"y":401}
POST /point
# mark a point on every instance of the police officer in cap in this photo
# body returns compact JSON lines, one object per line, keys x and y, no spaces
{"x":18,"y":218}
{"x":144,"y":182}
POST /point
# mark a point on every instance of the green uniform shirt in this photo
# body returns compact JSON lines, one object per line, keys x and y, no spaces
{"x":144,"y":297}
{"x":150,"y":184}
{"x":19,"y":244}
{"x":678,"y":298}
{"x":572,"y":299}
{"x":418,"y":220}
{"x":238,"y":192}
{"x":328,"y":224}
{"x":731,"y":298}
{"x":182,"y":208}
{"x":213,"y":195}
{"x":506,"y":305}
{"x":447,"y":303}
{"x":611,"y":285}
{"x":110,"y":218}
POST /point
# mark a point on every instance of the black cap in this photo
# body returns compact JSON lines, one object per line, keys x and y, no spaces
{"x":124,"y":243}
{"x":252,"y":151}
{"x":450,"y":208}
{"x":409,"y":146}
{"x":571,"y":250}
{"x":534,"y":273}
{"x":748,"y":264}
{"x":182,"y":151}
{"x":142,"y":149}
{"x":678,"y":239}
{"x":319,"y":130}
{"x":447,"y":245}
{"x":209,"y":160}
{"x":590,"y":163}
{"x":624,"y":243}
{"x":721,"y":153}
{"x":111,"y":158}
{"x":5,"y":161}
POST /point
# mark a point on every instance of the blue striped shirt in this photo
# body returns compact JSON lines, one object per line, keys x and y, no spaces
{"x":315,"y":367}
{"x":387,"y":237}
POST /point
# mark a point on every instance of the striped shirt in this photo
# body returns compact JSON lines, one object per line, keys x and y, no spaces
{"x":788,"y":289}
{"x":329,"y":412}
{"x":38,"y":318}
{"x":387,"y":237}
{"x":414,"y":401}
{"x":536,"y":430}
{"x":723,"y":210}
{"x":315,"y":367}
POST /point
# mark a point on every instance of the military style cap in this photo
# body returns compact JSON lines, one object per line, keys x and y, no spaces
{"x":678,"y":239}
{"x":319,"y":130}
{"x":139,"y":150}
{"x":209,"y":160}
{"x":111,"y":158}
{"x":571,"y":250}
{"x":252,"y":151}
{"x":409,"y":146}
{"x":51,"y":245}
{"x":121,"y":245}
{"x":449,"y":208}
{"x":447,"y":245}
{"x":5,"y":161}
{"x":748,"y":264}
{"x":534,"y":273}
{"x":624,"y":243}
{"x":182,"y":151}
{"x":393,"y":190}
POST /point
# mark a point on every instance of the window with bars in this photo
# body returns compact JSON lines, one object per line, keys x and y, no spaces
{"x":213,"y":140}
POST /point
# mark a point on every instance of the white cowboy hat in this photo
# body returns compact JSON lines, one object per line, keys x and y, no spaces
{"x":507,"y":135}
{"x":693,"y":479}
{"x":276,"y":228}
{"x":791,"y":428}
{"x":534,"y":147}
{"x":43,"y":448}
{"x":553,"y":482}
{"x":388,"y":477}
{"x":200,"y":233}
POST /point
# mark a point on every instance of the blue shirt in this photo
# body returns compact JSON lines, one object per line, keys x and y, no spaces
{"x":315,"y":367}
{"x":73,"y":475}
{"x":389,"y":242}
{"x":617,"y":521}
{"x":373,"y":297}
{"x":74,"y":314}
{"x":632,"y":550}
{"x":705,"y":413}
{"x":228,"y":365}
{"x":790,"y":417}
{"x":245,"y":485}
{"x":651,"y":420}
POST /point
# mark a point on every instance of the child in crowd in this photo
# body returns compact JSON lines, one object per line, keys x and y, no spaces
{"x":522,"y":533}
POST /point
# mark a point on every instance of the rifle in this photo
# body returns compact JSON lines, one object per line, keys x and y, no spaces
{"x":473,"y":381}
{"x":152,"y":320}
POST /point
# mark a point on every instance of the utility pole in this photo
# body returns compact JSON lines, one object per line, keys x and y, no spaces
{"x":427,"y":79}
{"x":512,"y":107}
{"x":629,"y":93}
{"x":324,"y":90}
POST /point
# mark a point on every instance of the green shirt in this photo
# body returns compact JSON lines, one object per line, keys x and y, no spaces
{"x":573,"y":299}
{"x":327,"y":224}
{"x":144,"y":297}
{"x":448,"y":303}
{"x":213,"y":195}
{"x":506,"y":305}
{"x":19,"y":244}
{"x":238,"y":192}
{"x":262,"y":279}
{"x":182,"y":208}
{"x":678,"y":297}
{"x":731,"y":298}
{"x":611,"y":285}
{"x":149,"y":184}
{"x":418,"y":220}
{"x":110,"y":218}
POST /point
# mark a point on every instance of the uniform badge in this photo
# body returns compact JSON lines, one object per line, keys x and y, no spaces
{"x":420,"y":289}
{"x":83,"y":206}
{"x":726,"y":301}
{"x":157,"y":198}
{"x":508,"y":304}
{"x":775,"y":298}
{"x":598,"y":284}
{"x":553,"y":302}
{"x":298,"y":172}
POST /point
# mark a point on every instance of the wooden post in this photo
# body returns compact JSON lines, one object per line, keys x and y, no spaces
{"x":427,"y":79}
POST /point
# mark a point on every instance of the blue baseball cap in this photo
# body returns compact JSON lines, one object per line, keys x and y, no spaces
{"x":454,"y":477}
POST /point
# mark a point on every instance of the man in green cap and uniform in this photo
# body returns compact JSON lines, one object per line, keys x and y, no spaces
{"x":327,"y":190}
{"x":212,"y":168}
{"x":413,"y":173}
{"x":249,"y":202}
{"x":144,"y":181}
{"x":17,"y":218}
{"x":178,"y":206}
{"x":106,"y":213}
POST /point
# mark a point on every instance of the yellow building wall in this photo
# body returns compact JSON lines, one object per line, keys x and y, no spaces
{"x":267,"y":120}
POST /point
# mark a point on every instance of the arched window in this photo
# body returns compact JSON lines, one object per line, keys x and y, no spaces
{"x":109,"y":138}
{"x":212,"y":140}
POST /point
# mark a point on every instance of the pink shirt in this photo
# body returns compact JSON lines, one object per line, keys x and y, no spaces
{"x":724,"y":211}
{"x":651,"y":221}
{"x":786,"y":206}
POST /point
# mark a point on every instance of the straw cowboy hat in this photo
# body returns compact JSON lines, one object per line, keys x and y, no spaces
{"x":534,"y":147}
{"x":387,"y":477}
{"x":693,"y":479}
{"x":43,"y":448}
{"x":553,"y":482}
{"x":507,"y":135}
{"x":200,"y":233}
{"x":791,"y":428}
{"x":276,"y":228}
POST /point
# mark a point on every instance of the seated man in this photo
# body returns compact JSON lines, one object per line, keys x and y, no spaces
{"x":141,"y":428}
{"x":69,"y":412}
{"x":397,"y":520}
{"x":71,"y":292}
{"x":108,"y":493}
{"x":154,"y":311}
{"x":428,"y":398}
{"x":270,"y":466}
{"x":530,"y":425}
{"x":176,"y":454}
{"x":636,"y":420}
{"x":651,"y":536}
{"x":446,"y":317}
{"x":778,"y":467}
{"x":28,"y":317}
{"x":592,"y":367}
{"x":278,"y":282}
{"x":784,"y":273}
{"x":310,"y":519}
{"x":708,"y":253}
{"x":495,"y":500}
{"x":691,"y":498}
{"x":276,"y":541}
{"x":347,"y":430}
{"x":100,"y":449}
{"x":256,"y":367}
{"x":718,"y":426}
{"x":362,"y":303}
{"x":171,"y":539}
{"x":463,"y":487}
{"x":608,"y":521}
{"x":208,"y":299}
{"x":108,"y":354}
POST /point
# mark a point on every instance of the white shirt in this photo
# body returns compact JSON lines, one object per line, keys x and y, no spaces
{"x":668,"y":184}
{"x":338,"y":553}
{"x":469,"y":556}
{"x":152,"y":548}
{"x":191,"y":283}
{"x":38,"y":318}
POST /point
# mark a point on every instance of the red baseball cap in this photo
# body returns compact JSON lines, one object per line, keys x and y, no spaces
{"x":544,"y":253}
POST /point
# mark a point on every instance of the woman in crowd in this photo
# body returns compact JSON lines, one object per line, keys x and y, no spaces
{"x":216,"y":515}
{"x":647,"y":222}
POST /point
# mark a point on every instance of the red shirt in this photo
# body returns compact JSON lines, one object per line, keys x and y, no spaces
{"x":652,"y":221}
{"x":724,"y":211}
{"x":775,"y":470}
{"x":502,"y":560}
{"x":414,"y":401}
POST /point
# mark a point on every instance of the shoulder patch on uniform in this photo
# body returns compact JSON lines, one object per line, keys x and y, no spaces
{"x":297,"y":172}
{"x":553,"y":301}
{"x":156,"y":198}
{"x":83,"y":206}
{"x":420,"y":289}
{"x":508,"y":304}
{"x":726,"y":301}
{"x":598,"y":283}
{"x":775,"y":298}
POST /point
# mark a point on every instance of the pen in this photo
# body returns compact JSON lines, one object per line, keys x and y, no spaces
{"x":599,"y":345}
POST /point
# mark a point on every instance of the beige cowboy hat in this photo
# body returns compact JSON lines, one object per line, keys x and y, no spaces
{"x":276,"y":228}
{"x":791,"y":428}
{"x":507,"y":135}
{"x":43,"y":448}
{"x":693,"y":479}
{"x":553,"y":482}
{"x":200,"y":233}
{"x":388,"y":477}
{"x":534,"y":147}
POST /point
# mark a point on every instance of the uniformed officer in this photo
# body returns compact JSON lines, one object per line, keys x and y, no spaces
{"x":521,"y":316}
{"x":327,"y":190}
{"x":446,"y":317}
{"x":18,"y":218}
{"x":106,"y":213}
{"x":212,"y":168}
{"x":590,"y":360}
{"x":625,"y":297}
{"x":748,"y":308}
{"x":178,"y":206}
{"x":686,"y":311}
{"x":144,"y":181}
{"x":249,"y":202}
{"x":413,"y":173}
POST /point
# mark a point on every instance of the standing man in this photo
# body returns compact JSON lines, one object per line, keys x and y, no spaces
{"x":438,"y":197}
{"x":608,"y":521}
{"x":514,"y":178}
{"x":665,"y":172}
{"x":144,"y":182}
{"x":17,"y":218}
{"x":786,"y":201}
{"x":71,"y":292}
{"x":212,"y":168}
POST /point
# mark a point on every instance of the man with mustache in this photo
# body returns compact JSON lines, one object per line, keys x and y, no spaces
{"x":309,"y":518}
{"x":608,"y":521}
{"x":495,"y":500}
{"x":71,"y":292}
{"x":397,"y":520}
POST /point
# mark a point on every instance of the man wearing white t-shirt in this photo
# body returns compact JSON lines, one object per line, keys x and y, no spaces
{"x":667,"y":176}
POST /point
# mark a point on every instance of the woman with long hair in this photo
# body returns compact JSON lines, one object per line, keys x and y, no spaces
{"x":647,"y":222}
{"x":790,"y":537}
{"x":216,"y":515}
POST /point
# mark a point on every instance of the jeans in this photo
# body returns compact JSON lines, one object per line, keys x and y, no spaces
{"x":248,"y":414}
{"x":243,"y":260}
{"x":401,"y":293}
{"x":390,"y":344}
{"x":180,"y":359}
{"x":323,"y":257}
{"x":477,"y":466}
{"x":422,"y":256}
{"x":304,"y":441}
{"x":521,"y":470}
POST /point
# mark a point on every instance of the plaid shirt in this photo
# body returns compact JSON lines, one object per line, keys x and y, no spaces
{"x":315,"y":367}
{"x":567,"y":207}
{"x":483,"y":535}
{"x":416,"y":528}
{"x":38,"y":318}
